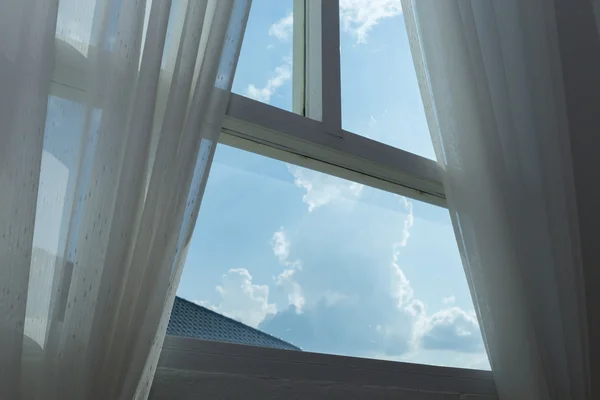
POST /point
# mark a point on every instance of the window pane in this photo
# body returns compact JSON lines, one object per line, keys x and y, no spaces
{"x":68,"y":124}
{"x":264,"y":70}
{"x":380,"y":93}
{"x":327,"y":265}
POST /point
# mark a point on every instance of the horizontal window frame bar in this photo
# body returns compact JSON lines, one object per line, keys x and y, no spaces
{"x":257,"y":127}
{"x":273,"y":132}
{"x":197,"y":355}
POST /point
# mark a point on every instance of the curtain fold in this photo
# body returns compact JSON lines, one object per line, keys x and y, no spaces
{"x":110,"y":114}
{"x":491,"y":80}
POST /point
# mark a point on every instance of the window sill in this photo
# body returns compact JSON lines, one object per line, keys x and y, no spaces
{"x":192,"y":365}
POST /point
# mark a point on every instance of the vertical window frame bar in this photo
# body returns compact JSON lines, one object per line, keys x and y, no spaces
{"x":299,"y":58}
{"x":321,"y":53}
{"x":330,"y":67}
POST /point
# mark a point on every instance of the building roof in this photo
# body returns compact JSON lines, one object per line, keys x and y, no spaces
{"x":192,"y":320}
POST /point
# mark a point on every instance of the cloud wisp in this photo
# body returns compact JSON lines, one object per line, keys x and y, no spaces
{"x":450,"y":328}
{"x":402,"y":290}
{"x":282,"y":29}
{"x":279,"y":77}
{"x":322,"y":189}
{"x":293,"y":289}
{"x":358,"y":17}
{"x":449,"y":300}
{"x":281,"y":249}
{"x":408,"y":222}
{"x":241,"y":299}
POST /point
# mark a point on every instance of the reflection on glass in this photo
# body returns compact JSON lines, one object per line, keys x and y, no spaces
{"x":380,"y":93}
{"x":63,"y":136}
{"x":329,"y":265}
{"x":264,"y":70}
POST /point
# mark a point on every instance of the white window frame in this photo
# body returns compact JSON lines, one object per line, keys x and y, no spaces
{"x":312,"y":137}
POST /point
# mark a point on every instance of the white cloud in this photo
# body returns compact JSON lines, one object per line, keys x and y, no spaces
{"x":281,"y":249}
{"x":293,"y":289}
{"x":333,"y":298}
{"x":358,"y":17}
{"x":241,"y":299}
{"x":205,"y":304}
{"x":449,"y":300}
{"x":408,"y":222}
{"x":448,"y":329}
{"x":282,"y":29}
{"x":402,"y":290}
{"x":395,"y":323}
{"x":322,"y":189}
{"x":281,"y":75}
{"x":415,"y":308}
{"x":281,"y":246}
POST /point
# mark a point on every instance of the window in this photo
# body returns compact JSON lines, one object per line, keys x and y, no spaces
{"x":380,"y":93}
{"x":321,"y":238}
{"x":328,"y":227}
{"x":329,"y":265}
{"x":264,"y":71}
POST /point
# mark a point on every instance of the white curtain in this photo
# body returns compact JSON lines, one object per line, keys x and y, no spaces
{"x":491,"y":80}
{"x":109,"y":115}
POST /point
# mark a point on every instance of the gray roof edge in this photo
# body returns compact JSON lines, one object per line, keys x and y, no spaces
{"x":283,"y":342}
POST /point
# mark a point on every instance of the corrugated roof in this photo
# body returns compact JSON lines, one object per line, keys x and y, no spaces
{"x":192,"y":320}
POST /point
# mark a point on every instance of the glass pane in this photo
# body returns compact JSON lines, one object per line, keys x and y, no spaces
{"x":68,"y":124}
{"x":380,"y":93}
{"x":264,"y":70}
{"x":326,"y":265}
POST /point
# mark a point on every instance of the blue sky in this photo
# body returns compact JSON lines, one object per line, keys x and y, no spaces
{"x":330,"y":265}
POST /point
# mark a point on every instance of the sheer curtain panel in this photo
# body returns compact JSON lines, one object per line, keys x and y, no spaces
{"x":109,"y":115}
{"x":492,"y":79}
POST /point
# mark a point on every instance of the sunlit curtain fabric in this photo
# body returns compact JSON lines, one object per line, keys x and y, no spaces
{"x":109,"y":115}
{"x":491,"y":80}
